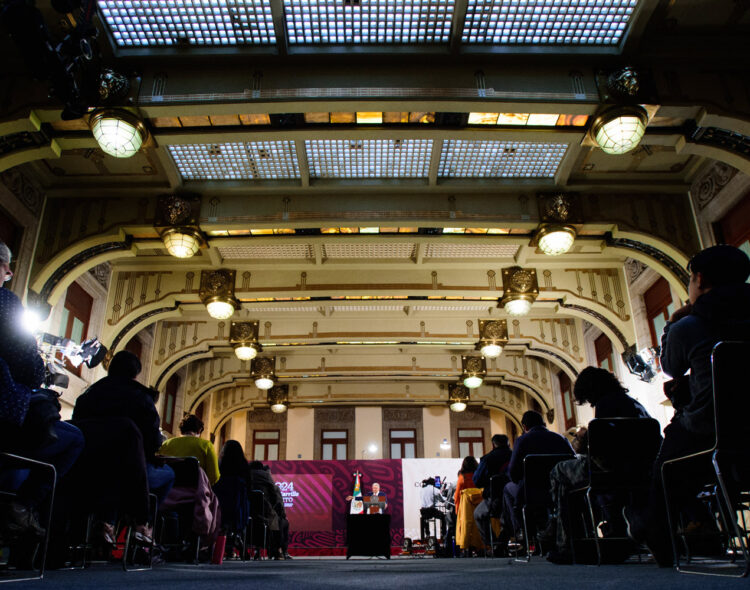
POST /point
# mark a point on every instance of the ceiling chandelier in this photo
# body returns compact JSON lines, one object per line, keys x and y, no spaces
{"x":520,"y":290}
{"x":493,"y":335}
{"x":217,"y":293}
{"x":620,"y":129}
{"x":458,"y":397}
{"x":243,"y":336}
{"x":118,"y":132}
{"x":262,"y":370}
{"x":278,"y":398}
{"x":474,"y":368}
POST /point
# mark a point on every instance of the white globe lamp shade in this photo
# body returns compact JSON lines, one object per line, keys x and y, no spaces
{"x":491,"y":350}
{"x":456,"y":407}
{"x":245,"y":353}
{"x":620,"y":130}
{"x":278,"y":408}
{"x":472,"y":381}
{"x":264,"y":383}
{"x":220,"y":310}
{"x":181,"y":243}
{"x":556,"y":240}
{"x":518,"y":307}
{"x":118,"y":133}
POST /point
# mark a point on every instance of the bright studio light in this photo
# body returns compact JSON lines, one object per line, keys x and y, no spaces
{"x":245,"y":352}
{"x":220,"y":309}
{"x":181,"y":243}
{"x":620,"y":130}
{"x":277,"y":408}
{"x":556,"y":239}
{"x":119,"y":133}
{"x":456,"y":407}
{"x":372,"y":448}
{"x":518,"y":307}
{"x":472,"y":382}
{"x":491,"y":350}
{"x":31,"y":321}
{"x":264,"y":383}
{"x":445,"y":445}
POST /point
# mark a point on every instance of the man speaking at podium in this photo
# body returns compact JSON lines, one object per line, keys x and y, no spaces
{"x":377,"y":502}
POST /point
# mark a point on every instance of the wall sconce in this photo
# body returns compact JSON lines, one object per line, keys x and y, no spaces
{"x":520,"y":290}
{"x":278,"y":398}
{"x":243,"y":336}
{"x":445,"y":445}
{"x":118,"y":132}
{"x":217,"y":293}
{"x":493,"y":335}
{"x":458,"y":397}
{"x":262,"y":370}
{"x":474,"y":369}
{"x":177,"y":224}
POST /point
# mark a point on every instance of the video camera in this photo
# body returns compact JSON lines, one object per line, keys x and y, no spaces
{"x":91,"y":352}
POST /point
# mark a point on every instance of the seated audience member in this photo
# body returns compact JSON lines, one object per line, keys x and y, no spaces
{"x":274,"y":513}
{"x":465,"y":479}
{"x":120,"y":395}
{"x":191,"y":445}
{"x":718,"y":309}
{"x":21,"y":432}
{"x":600,"y":389}
{"x":536,"y":440}
{"x":231,"y":490}
{"x":430,"y":500}
{"x":493,"y":463}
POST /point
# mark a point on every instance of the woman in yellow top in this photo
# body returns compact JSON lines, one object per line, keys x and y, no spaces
{"x":190,"y":444}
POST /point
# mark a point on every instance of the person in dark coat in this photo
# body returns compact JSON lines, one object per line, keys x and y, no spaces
{"x":493,"y":463}
{"x":231,"y":489}
{"x":718,"y":309}
{"x":536,"y":440}
{"x":119,"y":395}
{"x":261,"y":479}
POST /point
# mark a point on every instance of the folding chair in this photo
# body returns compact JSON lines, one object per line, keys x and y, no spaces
{"x":621,"y":455}
{"x":497,"y":483}
{"x":257,"y":512}
{"x":186,"y":476}
{"x":12,"y":460}
{"x":536,"y":486}
{"x":730,"y":457}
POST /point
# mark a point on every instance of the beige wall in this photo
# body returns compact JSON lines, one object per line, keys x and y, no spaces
{"x":239,"y":428}
{"x":300,"y":429}
{"x":368,"y":425}
{"x":436,"y":427}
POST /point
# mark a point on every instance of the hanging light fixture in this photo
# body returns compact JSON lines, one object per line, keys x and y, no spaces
{"x":262,"y":370}
{"x":243,"y":336}
{"x":556,"y":232}
{"x":458,"y":397}
{"x":620,"y":129}
{"x":278,"y":398}
{"x":474,"y":369}
{"x":177,"y":224}
{"x":217,"y":293}
{"x":520,"y":290}
{"x":493,"y":335}
{"x":118,"y":132}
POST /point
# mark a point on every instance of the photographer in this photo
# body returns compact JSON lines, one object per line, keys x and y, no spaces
{"x":29,"y":422}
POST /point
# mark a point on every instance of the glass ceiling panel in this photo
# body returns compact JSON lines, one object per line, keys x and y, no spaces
{"x":146,"y":23}
{"x":369,"y":158}
{"x":461,"y":158}
{"x":547,"y":22}
{"x":236,"y":161}
{"x":368,"y":21}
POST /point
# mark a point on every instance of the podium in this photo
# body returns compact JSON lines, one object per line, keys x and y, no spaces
{"x":368,"y":534}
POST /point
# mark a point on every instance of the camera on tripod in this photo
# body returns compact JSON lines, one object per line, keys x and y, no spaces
{"x":91,"y":352}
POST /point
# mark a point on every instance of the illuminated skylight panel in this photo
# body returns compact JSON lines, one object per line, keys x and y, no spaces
{"x":462,"y":158}
{"x":148,"y":23}
{"x":368,"y":21}
{"x":368,"y":158}
{"x":266,"y":160}
{"x":547,"y":22}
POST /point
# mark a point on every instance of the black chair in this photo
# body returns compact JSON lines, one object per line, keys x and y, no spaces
{"x":729,"y":456}
{"x":621,"y":454}
{"x":497,"y":483}
{"x":536,"y":489}
{"x":12,"y":461}
{"x":258,"y":519}
{"x":175,"y":531}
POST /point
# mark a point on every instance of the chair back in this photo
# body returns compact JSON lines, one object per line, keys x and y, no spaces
{"x":622,"y":451}
{"x":497,"y":483}
{"x":536,"y":484}
{"x":257,"y":501}
{"x":185,"y":471}
{"x":731,"y":394}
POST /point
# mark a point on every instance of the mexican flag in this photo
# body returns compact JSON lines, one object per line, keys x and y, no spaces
{"x":357,"y":505}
